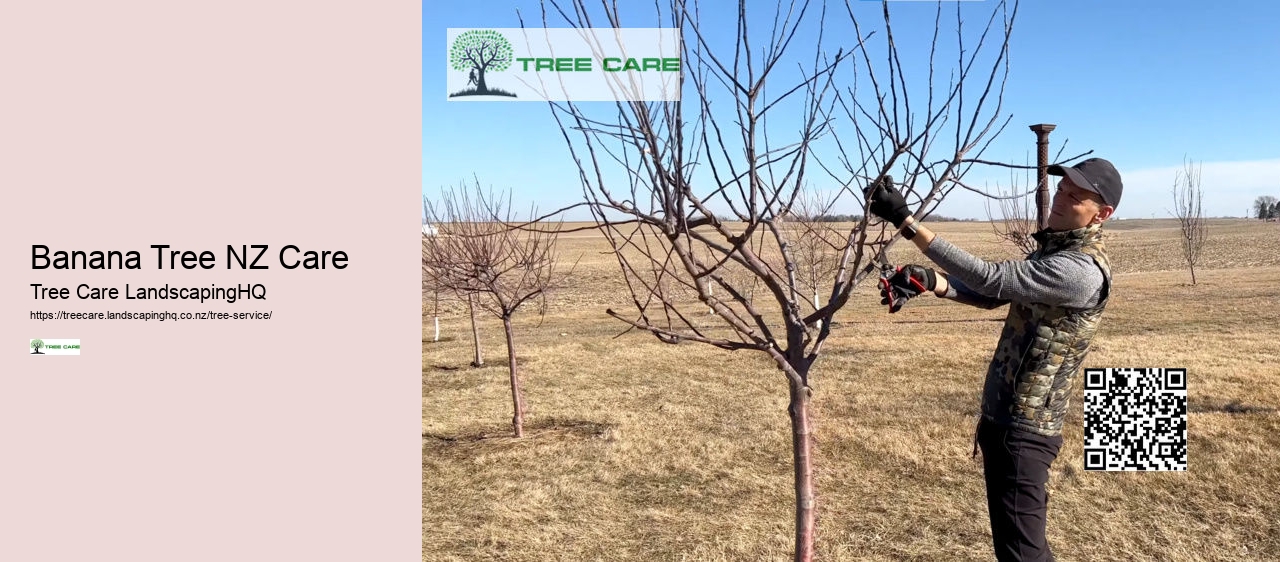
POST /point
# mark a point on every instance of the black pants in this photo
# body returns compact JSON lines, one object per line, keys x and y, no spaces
{"x":1016,"y":466}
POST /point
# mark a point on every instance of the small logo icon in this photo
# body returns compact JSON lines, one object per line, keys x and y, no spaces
{"x":54,"y":347}
{"x":478,"y":52}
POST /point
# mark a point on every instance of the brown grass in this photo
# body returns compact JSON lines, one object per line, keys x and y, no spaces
{"x":636,"y":450}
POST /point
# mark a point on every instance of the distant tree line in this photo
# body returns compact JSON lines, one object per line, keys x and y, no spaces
{"x":944,"y":218}
{"x":1266,"y":208}
{"x":858,"y":218}
{"x":839,"y":218}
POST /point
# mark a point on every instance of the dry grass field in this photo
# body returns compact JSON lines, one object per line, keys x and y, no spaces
{"x":637,"y":450}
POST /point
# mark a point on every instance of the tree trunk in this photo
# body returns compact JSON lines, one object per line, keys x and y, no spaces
{"x":802,"y":456}
{"x":480,"y":84}
{"x":436,"y":320}
{"x":517,"y":399}
{"x":1193,"y":274}
{"x":475,"y":333}
{"x":817,"y":303}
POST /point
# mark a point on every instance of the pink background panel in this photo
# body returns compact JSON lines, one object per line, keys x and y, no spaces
{"x":198,"y":125}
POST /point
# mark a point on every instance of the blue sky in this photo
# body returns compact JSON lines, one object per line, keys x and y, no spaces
{"x":1144,"y":84}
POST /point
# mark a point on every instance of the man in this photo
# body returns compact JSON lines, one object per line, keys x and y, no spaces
{"x":1056,"y":297}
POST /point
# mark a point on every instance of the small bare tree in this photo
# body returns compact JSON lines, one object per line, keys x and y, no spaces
{"x":1187,"y":197}
{"x":1020,"y":216}
{"x":480,"y":255}
{"x":429,"y":283}
{"x":428,"y":286}
{"x":435,"y":311}
{"x":686,"y":192}
{"x":817,"y":244}
{"x":1017,"y":219}
{"x":435,"y":317}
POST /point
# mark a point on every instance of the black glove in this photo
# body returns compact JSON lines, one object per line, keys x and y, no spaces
{"x":907,"y":282}
{"x":886,"y":202}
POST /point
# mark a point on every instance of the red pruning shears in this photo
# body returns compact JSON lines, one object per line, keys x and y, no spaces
{"x":887,"y":270}
{"x":892,"y":297}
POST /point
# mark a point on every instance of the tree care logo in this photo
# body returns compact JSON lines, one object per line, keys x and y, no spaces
{"x":554,"y":64}
{"x":54,"y":347}
{"x":477,"y":53}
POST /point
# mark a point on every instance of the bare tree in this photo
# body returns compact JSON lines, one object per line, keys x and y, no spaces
{"x":1018,"y":218}
{"x":428,"y":284}
{"x":431,"y":245}
{"x":1186,"y":204}
{"x":664,"y":180}
{"x":817,"y":245}
{"x":435,"y":315}
{"x":435,"y":303}
{"x":498,"y":268}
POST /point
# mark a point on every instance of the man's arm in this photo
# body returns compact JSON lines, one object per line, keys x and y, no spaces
{"x":1068,"y":279}
{"x":955,"y":290}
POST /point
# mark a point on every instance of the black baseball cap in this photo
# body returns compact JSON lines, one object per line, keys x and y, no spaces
{"x":1096,"y":175}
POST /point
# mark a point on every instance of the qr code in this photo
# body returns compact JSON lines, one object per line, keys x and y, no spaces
{"x":1135,"y":419}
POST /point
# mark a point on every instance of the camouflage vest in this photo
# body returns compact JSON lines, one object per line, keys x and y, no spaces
{"x":1042,"y":347}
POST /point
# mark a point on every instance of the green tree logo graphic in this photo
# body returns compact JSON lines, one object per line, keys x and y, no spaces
{"x":37,"y":345}
{"x":478,"y":52}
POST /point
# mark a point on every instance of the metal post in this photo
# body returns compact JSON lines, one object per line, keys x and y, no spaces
{"x":1042,"y":179}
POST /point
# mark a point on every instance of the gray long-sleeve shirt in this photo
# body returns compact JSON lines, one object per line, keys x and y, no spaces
{"x":1068,"y":279}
